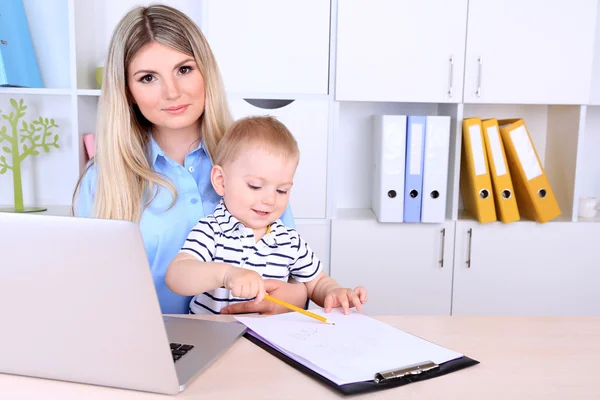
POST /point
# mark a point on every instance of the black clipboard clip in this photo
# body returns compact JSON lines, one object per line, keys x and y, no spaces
{"x":414,"y":369}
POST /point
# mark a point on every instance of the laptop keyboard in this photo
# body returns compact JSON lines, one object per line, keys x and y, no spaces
{"x":179,"y":350}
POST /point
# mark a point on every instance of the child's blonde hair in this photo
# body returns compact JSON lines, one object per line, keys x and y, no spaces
{"x":263,"y":131}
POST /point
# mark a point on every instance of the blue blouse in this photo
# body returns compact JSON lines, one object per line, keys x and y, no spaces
{"x":164,"y":231}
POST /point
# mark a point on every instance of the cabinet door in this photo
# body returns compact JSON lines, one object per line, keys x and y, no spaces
{"x":525,"y":268}
{"x":271,"y":46}
{"x":308,"y":121}
{"x":595,"y":90}
{"x":406,"y":268}
{"x":401,"y":50}
{"x":529,"y":51}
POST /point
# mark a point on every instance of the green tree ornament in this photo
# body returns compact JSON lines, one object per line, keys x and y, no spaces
{"x":33,"y":137}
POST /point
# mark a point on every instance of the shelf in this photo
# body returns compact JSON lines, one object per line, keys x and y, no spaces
{"x":35,"y":91}
{"x":367,"y":214}
{"x":355,"y":214}
{"x":464,"y":216}
{"x":595,"y":219}
{"x":89,"y":92}
{"x":353,"y":149}
{"x":55,"y":210}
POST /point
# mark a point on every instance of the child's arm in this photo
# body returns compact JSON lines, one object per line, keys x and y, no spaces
{"x":188,"y":276}
{"x":322,"y":289}
{"x":327,"y":293}
{"x":193,"y":271}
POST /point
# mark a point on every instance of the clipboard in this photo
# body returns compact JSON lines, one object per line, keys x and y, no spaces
{"x":381,"y":380}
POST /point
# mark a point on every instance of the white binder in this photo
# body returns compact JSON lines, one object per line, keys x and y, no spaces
{"x":389,"y":148}
{"x":435,"y":169}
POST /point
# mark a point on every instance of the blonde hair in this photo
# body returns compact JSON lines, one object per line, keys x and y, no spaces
{"x":262,"y":131}
{"x":126,"y":180}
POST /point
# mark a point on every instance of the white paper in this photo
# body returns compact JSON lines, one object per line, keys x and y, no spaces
{"x":497,"y":159}
{"x":353,"y":350}
{"x":525,"y":153}
{"x":477,"y":149}
{"x":416,"y":144}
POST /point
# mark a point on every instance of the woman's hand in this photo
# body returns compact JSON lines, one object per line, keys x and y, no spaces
{"x":294,"y":293}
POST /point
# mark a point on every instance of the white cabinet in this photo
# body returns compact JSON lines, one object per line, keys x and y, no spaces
{"x":308,"y":121}
{"x":400,"y":50}
{"x":271,"y":46}
{"x":406,"y":268}
{"x":526,"y":268}
{"x":595,"y":95}
{"x":529,"y":51}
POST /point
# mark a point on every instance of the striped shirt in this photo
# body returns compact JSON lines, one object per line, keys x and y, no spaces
{"x":279,"y":254}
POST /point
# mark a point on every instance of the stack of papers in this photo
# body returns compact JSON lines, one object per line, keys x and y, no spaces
{"x":353,"y":350}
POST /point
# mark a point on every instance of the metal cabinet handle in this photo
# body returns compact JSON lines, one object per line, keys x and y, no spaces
{"x":443,"y":246}
{"x":468,"y":262}
{"x":479,"y":76}
{"x":451,"y":88}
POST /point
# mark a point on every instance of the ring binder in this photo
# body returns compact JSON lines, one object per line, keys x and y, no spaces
{"x":413,"y":369}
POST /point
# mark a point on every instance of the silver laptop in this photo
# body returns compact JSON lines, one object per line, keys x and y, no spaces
{"x":78,"y":303}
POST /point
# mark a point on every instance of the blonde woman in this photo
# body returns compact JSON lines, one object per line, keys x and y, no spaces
{"x":162,"y":113}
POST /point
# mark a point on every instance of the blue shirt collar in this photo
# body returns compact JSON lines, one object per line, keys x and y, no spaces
{"x":156,"y":151}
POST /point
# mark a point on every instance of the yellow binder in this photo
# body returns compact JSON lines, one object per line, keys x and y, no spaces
{"x":504,"y":194}
{"x":535,"y":197}
{"x":475,"y":181}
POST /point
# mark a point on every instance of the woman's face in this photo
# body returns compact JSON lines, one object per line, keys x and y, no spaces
{"x":167,"y":87}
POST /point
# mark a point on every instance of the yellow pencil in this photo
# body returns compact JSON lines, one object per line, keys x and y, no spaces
{"x":298,"y":309}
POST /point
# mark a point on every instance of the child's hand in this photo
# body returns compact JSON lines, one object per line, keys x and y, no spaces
{"x":347,"y":298}
{"x":245,"y":283}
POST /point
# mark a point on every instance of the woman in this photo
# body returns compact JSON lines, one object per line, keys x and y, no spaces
{"x":162,"y":112}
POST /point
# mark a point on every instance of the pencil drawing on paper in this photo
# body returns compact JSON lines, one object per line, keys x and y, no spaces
{"x":304,"y":333}
{"x":347,"y":349}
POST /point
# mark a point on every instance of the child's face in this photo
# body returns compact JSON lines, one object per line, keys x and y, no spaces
{"x":256,"y":186}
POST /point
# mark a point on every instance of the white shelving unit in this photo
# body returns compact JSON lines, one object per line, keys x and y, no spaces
{"x":510,"y":59}
{"x":325,"y":68}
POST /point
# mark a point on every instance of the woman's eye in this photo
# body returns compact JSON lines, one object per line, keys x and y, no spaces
{"x":253,"y":187}
{"x":146,"y":78}
{"x":282,"y":191}
{"x":185,"y":70}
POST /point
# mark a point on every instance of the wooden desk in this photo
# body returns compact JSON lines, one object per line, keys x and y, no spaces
{"x":521,"y":358}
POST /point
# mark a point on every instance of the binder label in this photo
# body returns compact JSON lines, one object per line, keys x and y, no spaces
{"x":393,"y":151}
{"x":477,"y":149}
{"x":415,"y":149}
{"x":525,"y":153}
{"x":497,"y":158}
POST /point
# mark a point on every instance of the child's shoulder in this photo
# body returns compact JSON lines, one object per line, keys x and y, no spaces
{"x":209,"y":222}
{"x":282,"y":230}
